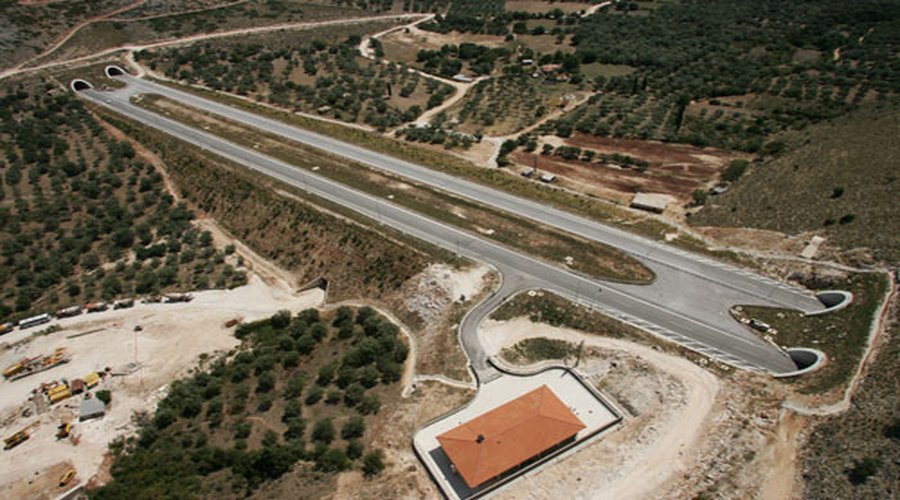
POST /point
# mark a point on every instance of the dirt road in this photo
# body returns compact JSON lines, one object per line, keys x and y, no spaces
{"x":196,"y":38}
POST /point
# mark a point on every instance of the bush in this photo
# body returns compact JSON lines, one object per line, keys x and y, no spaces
{"x":323,"y":431}
{"x":265,"y":382}
{"x":242,"y":429}
{"x":735,"y":170}
{"x":847,"y":219}
{"x":354,"y":449}
{"x":332,"y":460}
{"x":373,"y":463}
{"x":104,"y":395}
{"x":892,"y":431}
{"x":264,"y":404}
{"x":699,"y":197}
{"x":369,"y":405}
{"x":863,"y":469}
{"x":353,"y":428}
{"x":314,"y":395}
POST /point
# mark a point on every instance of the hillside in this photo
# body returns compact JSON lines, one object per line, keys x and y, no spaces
{"x":84,"y":217}
{"x":838,"y":179}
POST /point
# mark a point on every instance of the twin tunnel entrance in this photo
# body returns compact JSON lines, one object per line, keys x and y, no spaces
{"x":78,"y":84}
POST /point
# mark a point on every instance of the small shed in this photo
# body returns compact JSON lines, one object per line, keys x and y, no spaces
{"x":651,"y":202}
{"x":77,"y":386}
{"x":91,"y":408}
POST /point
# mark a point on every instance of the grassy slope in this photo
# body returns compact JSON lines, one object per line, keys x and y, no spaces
{"x":793,"y":193}
{"x":859,"y":433}
{"x":840,"y":334}
{"x":299,"y":237}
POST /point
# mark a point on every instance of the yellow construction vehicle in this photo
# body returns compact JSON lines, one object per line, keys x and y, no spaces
{"x":58,"y":396}
{"x":64,"y":430}
{"x":18,"y":366}
{"x":91,"y":380}
{"x":19,"y":437}
{"x":67,"y":477}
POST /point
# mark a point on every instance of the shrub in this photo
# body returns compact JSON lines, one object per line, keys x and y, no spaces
{"x":863,"y":469}
{"x":735,"y":170}
{"x":265,"y":382}
{"x":242,"y":429}
{"x":332,"y":460}
{"x":373,"y":463}
{"x":104,"y":395}
{"x":698,"y":197}
{"x":354,"y":449}
{"x":369,"y":405}
{"x":314,"y":395}
{"x":323,"y":431}
{"x":353,"y":428}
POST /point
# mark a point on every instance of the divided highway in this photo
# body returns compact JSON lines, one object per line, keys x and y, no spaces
{"x":687,"y":303}
{"x":650,"y":251}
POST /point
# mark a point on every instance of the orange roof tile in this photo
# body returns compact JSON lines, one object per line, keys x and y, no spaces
{"x":508,"y":435}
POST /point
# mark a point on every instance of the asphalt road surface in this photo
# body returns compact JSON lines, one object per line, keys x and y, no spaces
{"x":688,"y":302}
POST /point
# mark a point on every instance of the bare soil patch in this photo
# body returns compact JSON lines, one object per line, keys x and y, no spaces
{"x":674,"y":169}
{"x":173,"y":338}
{"x":404,"y":477}
{"x":687,"y":433}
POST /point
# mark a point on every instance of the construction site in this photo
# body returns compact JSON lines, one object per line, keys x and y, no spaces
{"x":60,"y":410}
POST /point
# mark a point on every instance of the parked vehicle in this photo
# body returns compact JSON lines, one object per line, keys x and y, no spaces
{"x":123,"y":304}
{"x":96,"y":307}
{"x":68,"y":312}
{"x":40,"y":319}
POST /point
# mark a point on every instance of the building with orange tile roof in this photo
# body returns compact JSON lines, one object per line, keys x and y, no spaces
{"x":509,"y":436}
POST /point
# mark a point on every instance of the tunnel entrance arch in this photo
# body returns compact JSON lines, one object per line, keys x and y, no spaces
{"x":113,"y":71}
{"x":78,"y":85}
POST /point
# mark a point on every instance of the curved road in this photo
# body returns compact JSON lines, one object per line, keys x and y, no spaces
{"x":688,"y":302}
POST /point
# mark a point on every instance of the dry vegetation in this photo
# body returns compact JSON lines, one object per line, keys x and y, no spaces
{"x":842,"y":335}
{"x":608,"y":167}
{"x":290,"y":232}
{"x":854,"y":455}
{"x":687,"y":433}
{"x":27,"y":30}
{"x":316,"y":70}
{"x":839,"y":180}
{"x":112,"y":33}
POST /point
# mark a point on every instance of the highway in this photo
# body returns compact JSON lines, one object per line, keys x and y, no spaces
{"x":652,"y":252}
{"x":682,"y":304}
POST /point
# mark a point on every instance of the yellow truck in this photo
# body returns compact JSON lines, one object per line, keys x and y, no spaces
{"x":58,"y":396}
{"x":91,"y":380}
{"x":19,"y":437}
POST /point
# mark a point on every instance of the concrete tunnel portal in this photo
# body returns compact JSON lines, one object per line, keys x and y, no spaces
{"x":113,"y":71}
{"x":78,"y":85}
